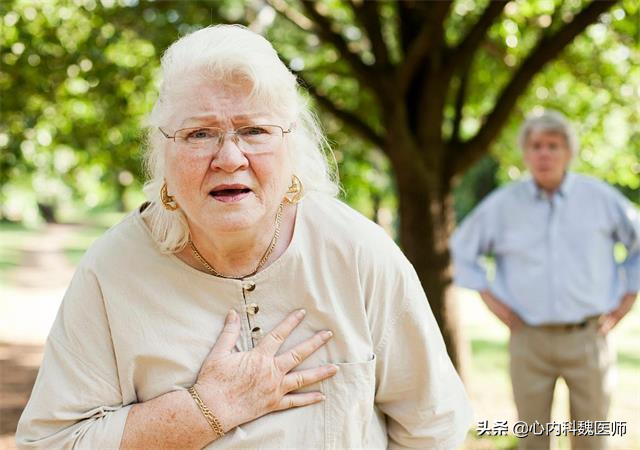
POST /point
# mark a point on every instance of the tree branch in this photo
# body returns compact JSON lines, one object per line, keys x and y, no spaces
{"x":332,"y":68}
{"x":465,"y":50}
{"x":459,"y":105}
{"x":324,"y":28}
{"x":368,"y":16}
{"x":347,"y":117}
{"x":548,"y":48}
{"x":429,"y":37}
{"x":291,"y":14}
{"x":432,"y":83}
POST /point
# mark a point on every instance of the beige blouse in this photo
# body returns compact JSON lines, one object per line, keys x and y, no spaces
{"x":135,"y":324}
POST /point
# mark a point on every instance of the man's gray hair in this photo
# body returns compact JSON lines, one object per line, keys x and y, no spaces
{"x":549,"y":121}
{"x":231,"y":54}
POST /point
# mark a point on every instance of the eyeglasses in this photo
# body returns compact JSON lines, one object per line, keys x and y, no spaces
{"x":251,"y":139}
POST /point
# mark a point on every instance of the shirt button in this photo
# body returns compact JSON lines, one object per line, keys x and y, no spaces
{"x":256,"y":332}
{"x":253,"y":309}
{"x":248,"y":286}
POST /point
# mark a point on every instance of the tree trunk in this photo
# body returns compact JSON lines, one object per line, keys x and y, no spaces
{"x":426,"y":222}
{"x":48,"y":212}
{"x":376,"y":201}
{"x":120,"y":191}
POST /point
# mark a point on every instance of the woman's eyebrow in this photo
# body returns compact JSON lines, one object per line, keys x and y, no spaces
{"x":212,"y":118}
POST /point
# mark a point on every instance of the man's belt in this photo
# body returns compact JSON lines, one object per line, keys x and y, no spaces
{"x":566,"y":327}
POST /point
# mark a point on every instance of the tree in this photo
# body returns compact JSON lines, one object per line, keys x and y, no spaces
{"x":416,"y":65}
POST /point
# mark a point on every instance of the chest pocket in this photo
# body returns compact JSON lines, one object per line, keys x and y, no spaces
{"x":349,"y":405}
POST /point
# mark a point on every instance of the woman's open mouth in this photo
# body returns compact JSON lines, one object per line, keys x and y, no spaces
{"x":229,"y":193}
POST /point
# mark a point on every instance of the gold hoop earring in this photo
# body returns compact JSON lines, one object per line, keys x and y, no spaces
{"x":168,"y":201}
{"x":295,"y":192}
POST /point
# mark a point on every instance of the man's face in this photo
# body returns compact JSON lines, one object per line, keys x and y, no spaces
{"x":547,"y":157}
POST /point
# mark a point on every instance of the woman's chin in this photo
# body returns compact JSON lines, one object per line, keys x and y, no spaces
{"x":236,"y":220}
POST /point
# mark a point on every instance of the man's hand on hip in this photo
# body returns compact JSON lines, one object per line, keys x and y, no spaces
{"x":501,"y":311}
{"x":610,"y":320}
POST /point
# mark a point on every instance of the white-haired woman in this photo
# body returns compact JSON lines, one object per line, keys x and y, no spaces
{"x":243,"y":306}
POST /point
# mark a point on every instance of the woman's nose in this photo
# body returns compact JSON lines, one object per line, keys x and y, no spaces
{"x":229,"y":156}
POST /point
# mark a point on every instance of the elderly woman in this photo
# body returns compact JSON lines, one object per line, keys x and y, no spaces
{"x":242,"y":306}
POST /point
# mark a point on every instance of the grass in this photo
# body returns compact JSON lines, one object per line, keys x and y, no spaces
{"x":13,"y":237}
{"x":489,"y":354}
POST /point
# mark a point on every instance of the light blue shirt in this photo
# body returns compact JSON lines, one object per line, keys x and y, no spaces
{"x":554,"y":254}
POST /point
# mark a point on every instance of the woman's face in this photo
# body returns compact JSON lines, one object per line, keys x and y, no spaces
{"x":227,"y":190}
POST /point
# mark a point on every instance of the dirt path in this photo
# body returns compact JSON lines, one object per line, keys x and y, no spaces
{"x":27,"y":310}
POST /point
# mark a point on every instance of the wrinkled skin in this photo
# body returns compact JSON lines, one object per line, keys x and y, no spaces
{"x":242,"y":386}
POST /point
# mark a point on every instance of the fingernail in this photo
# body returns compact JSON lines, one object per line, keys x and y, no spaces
{"x":327,"y":334}
{"x":300,"y":313}
{"x":231,"y":316}
{"x":322,"y":397}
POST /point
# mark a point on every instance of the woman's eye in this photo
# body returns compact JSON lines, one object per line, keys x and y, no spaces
{"x":252,"y":131}
{"x":201,"y":134}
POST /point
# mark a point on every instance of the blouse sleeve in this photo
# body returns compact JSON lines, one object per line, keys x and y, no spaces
{"x":76,"y":401}
{"x":418,"y":389}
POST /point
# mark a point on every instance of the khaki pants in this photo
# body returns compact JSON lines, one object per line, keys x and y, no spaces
{"x":539,"y":355}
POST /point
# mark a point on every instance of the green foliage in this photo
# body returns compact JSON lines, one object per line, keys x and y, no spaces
{"x":80,"y":89}
{"x":477,"y":183}
{"x":596,"y":83}
{"x":78,"y":78}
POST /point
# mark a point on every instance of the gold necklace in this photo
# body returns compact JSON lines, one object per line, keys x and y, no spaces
{"x":263,"y":260}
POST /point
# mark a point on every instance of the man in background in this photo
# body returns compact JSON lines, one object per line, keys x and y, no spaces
{"x":557,"y":286}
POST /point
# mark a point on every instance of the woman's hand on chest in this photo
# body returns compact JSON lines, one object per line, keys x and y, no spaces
{"x":242,"y":386}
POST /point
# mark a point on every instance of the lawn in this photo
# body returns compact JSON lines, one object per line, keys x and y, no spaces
{"x":13,"y":237}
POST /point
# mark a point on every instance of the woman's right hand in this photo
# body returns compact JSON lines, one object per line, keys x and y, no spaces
{"x":241,"y":386}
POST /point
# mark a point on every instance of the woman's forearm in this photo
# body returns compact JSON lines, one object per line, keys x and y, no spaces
{"x":172,"y":420}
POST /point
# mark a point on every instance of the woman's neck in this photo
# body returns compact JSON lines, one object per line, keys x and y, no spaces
{"x":237,"y":254}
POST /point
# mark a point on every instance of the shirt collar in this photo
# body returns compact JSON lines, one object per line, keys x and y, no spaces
{"x":563,"y":190}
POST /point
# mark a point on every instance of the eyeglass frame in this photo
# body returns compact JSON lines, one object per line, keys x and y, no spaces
{"x":225,"y":132}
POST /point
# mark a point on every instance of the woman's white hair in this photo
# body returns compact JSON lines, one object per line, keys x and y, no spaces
{"x":549,"y":121}
{"x":231,"y":54}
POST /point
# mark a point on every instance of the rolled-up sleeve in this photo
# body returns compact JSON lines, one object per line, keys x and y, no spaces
{"x":471,"y":241}
{"x":76,"y":401}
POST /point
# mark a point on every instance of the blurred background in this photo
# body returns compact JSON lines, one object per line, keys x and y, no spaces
{"x":77,"y":78}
